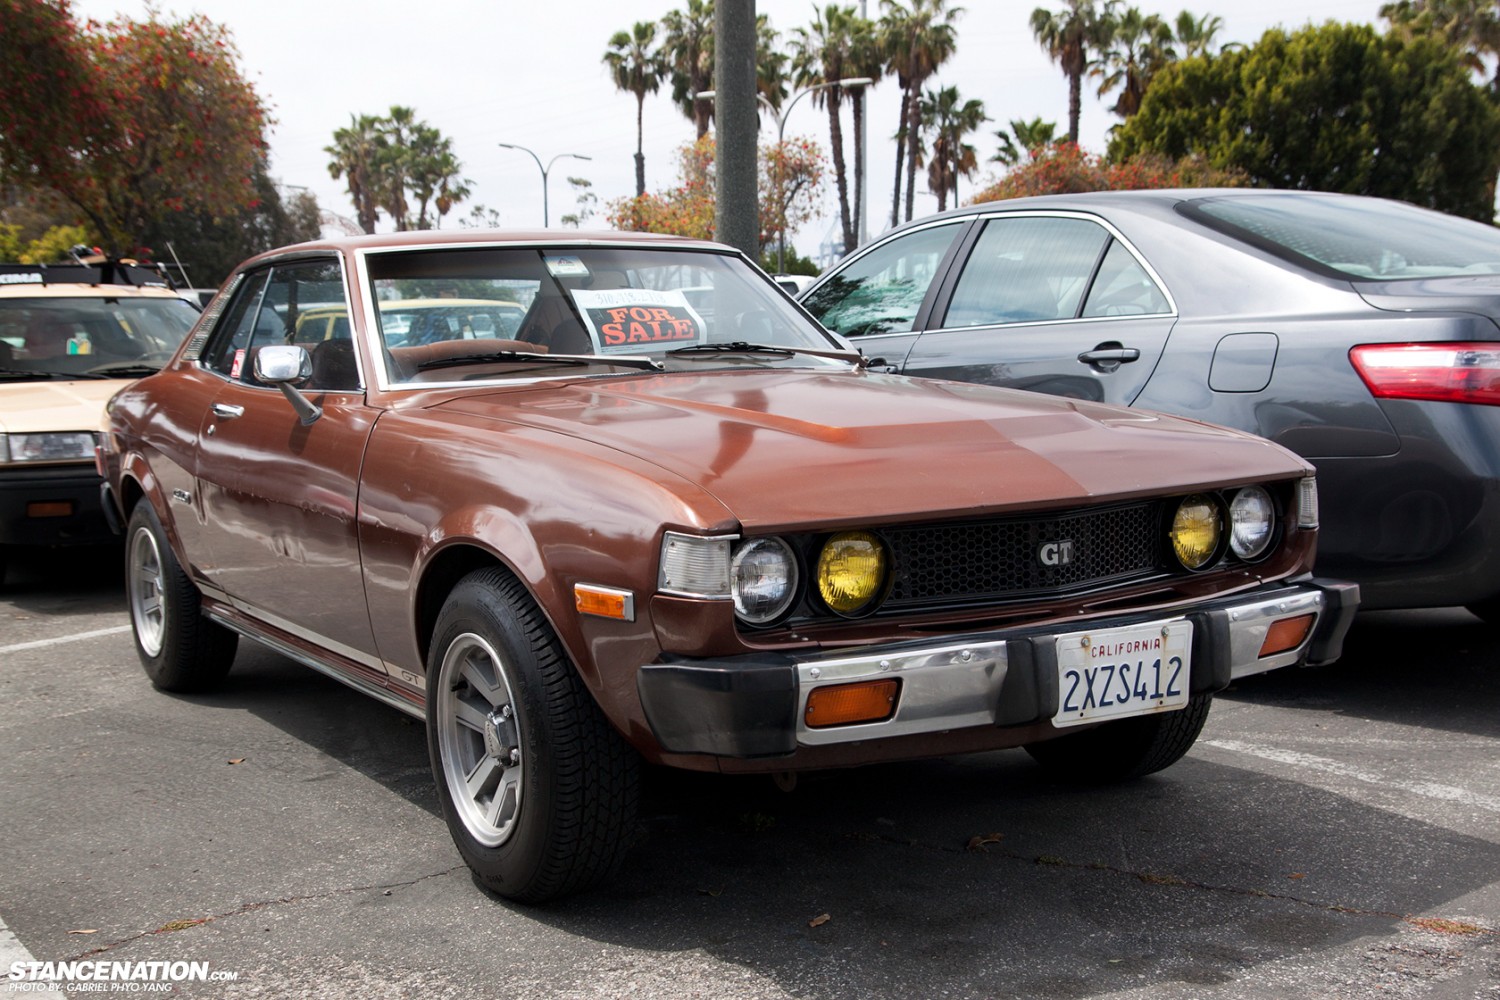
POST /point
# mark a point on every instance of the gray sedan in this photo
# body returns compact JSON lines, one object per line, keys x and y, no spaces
{"x":1359,"y":332}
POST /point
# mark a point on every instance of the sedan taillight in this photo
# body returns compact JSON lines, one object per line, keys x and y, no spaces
{"x":1450,"y":373}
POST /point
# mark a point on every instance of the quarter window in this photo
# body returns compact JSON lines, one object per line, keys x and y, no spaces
{"x":882,"y":291}
{"x":1123,"y":288}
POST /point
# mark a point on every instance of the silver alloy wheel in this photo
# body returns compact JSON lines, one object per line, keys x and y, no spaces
{"x":479,"y":739}
{"x":147,"y":609}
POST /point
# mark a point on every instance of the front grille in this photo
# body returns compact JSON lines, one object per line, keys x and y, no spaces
{"x":959,"y":563}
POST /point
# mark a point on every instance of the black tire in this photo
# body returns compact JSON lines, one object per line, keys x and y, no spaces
{"x":181,"y":650}
{"x":552,"y":805}
{"x":1125,"y":749}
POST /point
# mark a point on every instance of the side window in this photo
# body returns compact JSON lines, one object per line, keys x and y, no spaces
{"x":1123,"y":288}
{"x":1027,"y":270}
{"x":225,"y":350}
{"x":882,"y":291}
{"x":300,"y":302}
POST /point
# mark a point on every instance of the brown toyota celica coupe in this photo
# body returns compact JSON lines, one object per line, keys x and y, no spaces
{"x":668,"y":518}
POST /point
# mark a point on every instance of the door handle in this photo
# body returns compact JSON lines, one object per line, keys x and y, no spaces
{"x":1109,"y":356}
{"x":227,"y":411}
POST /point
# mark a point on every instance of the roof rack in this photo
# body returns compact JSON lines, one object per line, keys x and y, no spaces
{"x":108,"y":272}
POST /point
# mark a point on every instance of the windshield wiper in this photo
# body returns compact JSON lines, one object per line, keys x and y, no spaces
{"x":39,"y":374}
{"x":537,"y":358}
{"x":741,"y":347}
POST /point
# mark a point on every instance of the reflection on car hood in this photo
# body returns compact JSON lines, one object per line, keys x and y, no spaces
{"x":1471,"y":293}
{"x":29,"y":407}
{"x":784,"y":447}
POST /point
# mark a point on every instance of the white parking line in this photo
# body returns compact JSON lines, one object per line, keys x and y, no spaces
{"x":1428,"y":789}
{"x":11,"y":948}
{"x":43,"y":643}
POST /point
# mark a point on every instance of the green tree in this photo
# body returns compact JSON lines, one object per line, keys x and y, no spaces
{"x":949,"y":120}
{"x":1023,"y":140}
{"x":1137,"y":47}
{"x":688,"y":49}
{"x":209,"y":247}
{"x":1196,"y":34}
{"x":1072,"y":38}
{"x":1336,"y":108}
{"x":917,"y":40}
{"x":353,"y":157}
{"x":1472,"y":27}
{"x":127,"y":120}
{"x":586,"y":199}
{"x":387,"y":160}
{"x":636,"y":66}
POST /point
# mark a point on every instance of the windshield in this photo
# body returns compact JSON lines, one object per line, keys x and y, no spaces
{"x":91,"y":335}
{"x":1359,"y":238}
{"x":487,"y":312}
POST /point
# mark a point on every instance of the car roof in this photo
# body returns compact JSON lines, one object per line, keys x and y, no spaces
{"x":490,"y":237}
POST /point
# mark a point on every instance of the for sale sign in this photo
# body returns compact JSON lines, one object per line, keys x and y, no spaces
{"x":633,"y":320}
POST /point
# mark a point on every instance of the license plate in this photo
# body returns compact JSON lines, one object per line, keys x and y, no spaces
{"x":1117,"y":672}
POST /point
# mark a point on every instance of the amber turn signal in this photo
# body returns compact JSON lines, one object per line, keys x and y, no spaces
{"x":1286,"y":634}
{"x":846,"y":704}
{"x":604,"y":602}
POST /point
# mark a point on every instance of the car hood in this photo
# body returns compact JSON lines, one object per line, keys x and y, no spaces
{"x":1472,"y":293}
{"x":779,"y":447}
{"x":30,"y":407}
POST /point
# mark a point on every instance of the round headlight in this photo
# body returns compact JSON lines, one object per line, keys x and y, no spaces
{"x":1252,"y":520}
{"x":1196,"y":529}
{"x":851,"y":572}
{"x":763,"y":579}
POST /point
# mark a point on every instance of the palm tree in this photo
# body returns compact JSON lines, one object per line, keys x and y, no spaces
{"x":866,"y":59}
{"x":434,"y":175}
{"x":1071,"y":36}
{"x":948,"y":122}
{"x":1139,"y":45}
{"x":1029,"y":137}
{"x":918,"y":39}
{"x":822,"y":54}
{"x":687,"y":49}
{"x":392,"y":163}
{"x":1196,"y":34}
{"x":353,"y":153}
{"x":637,"y":67}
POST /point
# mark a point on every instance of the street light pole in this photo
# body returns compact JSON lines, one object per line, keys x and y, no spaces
{"x":545,"y":170}
{"x":780,"y":118}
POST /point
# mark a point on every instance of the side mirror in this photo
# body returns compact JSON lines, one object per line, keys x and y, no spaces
{"x":281,"y":365}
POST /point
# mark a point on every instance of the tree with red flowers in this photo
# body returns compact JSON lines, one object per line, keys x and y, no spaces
{"x":127,"y":120}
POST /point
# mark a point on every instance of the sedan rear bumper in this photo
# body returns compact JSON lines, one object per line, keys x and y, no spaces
{"x":755,"y":705}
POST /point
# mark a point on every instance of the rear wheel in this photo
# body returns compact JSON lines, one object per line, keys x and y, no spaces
{"x":180,"y":649}
{"x":1127,"y":748}
{"x":538,"y":790}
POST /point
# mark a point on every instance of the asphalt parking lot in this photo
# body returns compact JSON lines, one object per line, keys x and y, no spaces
{"x":1335,"y":833}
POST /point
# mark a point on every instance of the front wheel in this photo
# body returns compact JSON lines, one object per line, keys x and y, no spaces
{"x":1126,"y":748}
{"x":180,"y":649}
{"x":539,"y":792}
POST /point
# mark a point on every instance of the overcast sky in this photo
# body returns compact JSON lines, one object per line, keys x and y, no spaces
{"x":531,"y":73}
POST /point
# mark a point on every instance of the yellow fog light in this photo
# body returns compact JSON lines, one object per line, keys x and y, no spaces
{"x":851,"y":572}
{"x":1196,"y":529}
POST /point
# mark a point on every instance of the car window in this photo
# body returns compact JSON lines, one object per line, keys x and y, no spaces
{"x":297,"y":302}
{"x":882,"y":291}
{"x":1123,"y":288}
{"x":1027,"y":270}
{"x":85,"y":333}
{"x":440,"y":309}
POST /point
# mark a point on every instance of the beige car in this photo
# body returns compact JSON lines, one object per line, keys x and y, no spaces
{"x":70,"y":337}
